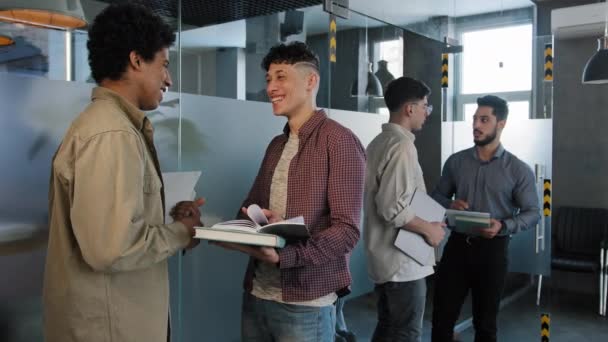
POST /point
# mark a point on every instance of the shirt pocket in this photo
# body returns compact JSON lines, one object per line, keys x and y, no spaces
{"x":152,"y":184}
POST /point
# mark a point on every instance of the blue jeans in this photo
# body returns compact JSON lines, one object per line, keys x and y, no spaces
{"x":400,"y":311}
{"x":269,"y":321}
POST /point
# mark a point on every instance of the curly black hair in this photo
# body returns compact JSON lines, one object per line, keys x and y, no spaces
{"x":120,"y":29}
{"x":402,"y":90}
{"x":291,"y":53}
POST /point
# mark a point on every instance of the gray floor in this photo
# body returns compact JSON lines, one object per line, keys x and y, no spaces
{"x":571,"y":301}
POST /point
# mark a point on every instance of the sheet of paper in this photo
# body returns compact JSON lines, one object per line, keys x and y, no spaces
{"x":179,"y":186}
{"x":427,"y":208}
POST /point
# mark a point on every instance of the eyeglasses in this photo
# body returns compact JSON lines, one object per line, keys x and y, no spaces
{"x":428,"y":107}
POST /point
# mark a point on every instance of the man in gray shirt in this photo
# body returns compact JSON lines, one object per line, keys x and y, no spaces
{"x":392,"y":175}
{"x":484,"y":178}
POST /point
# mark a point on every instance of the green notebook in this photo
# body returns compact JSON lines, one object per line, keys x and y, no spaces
{"x":470,"y":225}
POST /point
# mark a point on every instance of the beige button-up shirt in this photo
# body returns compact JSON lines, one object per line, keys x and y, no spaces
{"x":106,"y":275}
{"x":391,"y":176}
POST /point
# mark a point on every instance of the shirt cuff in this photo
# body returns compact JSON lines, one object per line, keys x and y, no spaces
{"x":505,"y":229}
{"x":180,"y":236}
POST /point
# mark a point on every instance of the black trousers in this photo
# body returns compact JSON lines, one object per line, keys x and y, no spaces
{"x":471,"y":263}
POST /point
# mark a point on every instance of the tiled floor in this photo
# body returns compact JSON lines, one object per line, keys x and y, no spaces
{"x":573,"y":314}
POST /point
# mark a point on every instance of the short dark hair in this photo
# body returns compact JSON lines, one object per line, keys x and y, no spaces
{"x":500,"y":109}
{"x":290,"y":53}
{"x":402,"y":90}
{"x":120,"y":29}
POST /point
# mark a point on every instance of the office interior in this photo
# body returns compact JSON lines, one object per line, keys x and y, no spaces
{"x":216,"y":118}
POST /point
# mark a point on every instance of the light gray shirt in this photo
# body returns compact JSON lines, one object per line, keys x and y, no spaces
{"x":503,"y":186}
{"x":392,"y":174}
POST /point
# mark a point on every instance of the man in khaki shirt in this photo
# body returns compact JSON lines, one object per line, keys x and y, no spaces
{"x":106,"y":275}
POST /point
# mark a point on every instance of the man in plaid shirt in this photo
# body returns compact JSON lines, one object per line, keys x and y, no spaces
{"x":315,"y":168}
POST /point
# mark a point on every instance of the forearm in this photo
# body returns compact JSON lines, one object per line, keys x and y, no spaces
{"x":418,"y":225}
{"x":133,"y":246}
{"x":330,"y":244}
{"x":522,"y":221}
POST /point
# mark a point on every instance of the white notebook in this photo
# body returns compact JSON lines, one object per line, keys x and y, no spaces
{"x":413,"y":244}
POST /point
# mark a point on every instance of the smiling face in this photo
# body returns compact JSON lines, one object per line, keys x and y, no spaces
{"x":154,"y":80}
{"x":290,"y":88}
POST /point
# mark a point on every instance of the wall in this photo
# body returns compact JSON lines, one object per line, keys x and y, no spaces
{"x":422,"y":60}
{"x":580,"y":143}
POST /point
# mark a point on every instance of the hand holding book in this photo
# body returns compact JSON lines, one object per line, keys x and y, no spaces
{"x":490,"y":231}
{"x":258,"y":230}
{"x":262,"y":253}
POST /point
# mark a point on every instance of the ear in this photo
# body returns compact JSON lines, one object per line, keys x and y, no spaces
{"x":135,"y":60}
{"x":407,"y":109}
{"x":501,"y":124}
{"x":312,"y":81}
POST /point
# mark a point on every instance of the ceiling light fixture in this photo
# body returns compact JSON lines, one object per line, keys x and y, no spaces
{"x":56,"y":14}
{"x":596,"y":69}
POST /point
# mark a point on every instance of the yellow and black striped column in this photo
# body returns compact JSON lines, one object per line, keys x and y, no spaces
{"x":332,"y":38}
{"x":444,"y":70}
{"x":547,"y":197}
{"x":549,"y":62}
{"x":545,"y":320}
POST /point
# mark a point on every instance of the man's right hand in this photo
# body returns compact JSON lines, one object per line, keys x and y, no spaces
{"x":459,"y":205}
{"x":188,"y":214}
{"x":435,"y":233}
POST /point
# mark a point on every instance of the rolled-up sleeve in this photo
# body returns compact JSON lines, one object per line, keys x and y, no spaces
{"x":107,"y":213}
{"x":396,"y":187}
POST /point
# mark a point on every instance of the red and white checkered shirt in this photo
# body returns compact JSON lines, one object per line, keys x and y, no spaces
{"x":325,"y":185}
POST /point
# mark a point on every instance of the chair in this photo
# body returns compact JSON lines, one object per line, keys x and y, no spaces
{"x":579,"y":244}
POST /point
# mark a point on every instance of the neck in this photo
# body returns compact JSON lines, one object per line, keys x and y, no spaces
{"x":123,"y":89}
{"x":297,"y":119}
{"x":401,"y":121}
{"x":488,"y":151}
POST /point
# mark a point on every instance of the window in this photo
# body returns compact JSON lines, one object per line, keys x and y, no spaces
{"x":496,"y":61}
{"x":518,"y":111}
{"x":392,"y":52}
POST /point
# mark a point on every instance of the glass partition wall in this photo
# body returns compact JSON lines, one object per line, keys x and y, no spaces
{"x":216,"y":118}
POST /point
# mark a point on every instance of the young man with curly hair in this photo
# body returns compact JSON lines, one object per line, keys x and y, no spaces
{"x":106,"y":275}
{"x":314,"y":168}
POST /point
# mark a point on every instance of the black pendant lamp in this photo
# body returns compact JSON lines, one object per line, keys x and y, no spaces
{"x":596,"y":69}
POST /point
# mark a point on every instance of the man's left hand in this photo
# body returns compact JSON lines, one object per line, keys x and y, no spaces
{"x":265,"y":254}
{"x":491,"y":232}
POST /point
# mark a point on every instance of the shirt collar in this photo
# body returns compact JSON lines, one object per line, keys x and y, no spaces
{"x":500,"y":151}
{"x":135,"y":115}
{"x":393,"y":127}
{"x":309,"y":126}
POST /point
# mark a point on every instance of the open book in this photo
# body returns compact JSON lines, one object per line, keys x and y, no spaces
{"x":256,"y":231}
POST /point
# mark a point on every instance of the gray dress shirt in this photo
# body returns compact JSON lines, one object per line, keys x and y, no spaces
{"x":503,"y":186}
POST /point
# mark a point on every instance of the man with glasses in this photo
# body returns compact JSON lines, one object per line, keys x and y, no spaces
{"x":490,"y":179}
{"x":392,"y":175}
